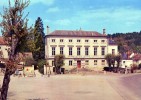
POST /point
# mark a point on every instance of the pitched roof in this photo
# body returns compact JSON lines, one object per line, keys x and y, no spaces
{"x":131,"y":56}
{"x":79,"y":33}
{"x":137,"y":57}
{"x":112,"y":42}
{"x":25,"y":55}
{"x":2,"y":42}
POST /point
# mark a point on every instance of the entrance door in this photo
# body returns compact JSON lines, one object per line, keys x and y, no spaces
{"x":78,"y":64}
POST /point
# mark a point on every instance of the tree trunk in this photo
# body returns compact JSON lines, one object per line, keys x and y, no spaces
{"x":5,"y":85}
{"x":110,"y":67}
{"x":57,"y":69}
{"x":117,"y":67}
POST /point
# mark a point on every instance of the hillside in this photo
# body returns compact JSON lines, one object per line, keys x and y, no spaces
{"x":127,"y":41}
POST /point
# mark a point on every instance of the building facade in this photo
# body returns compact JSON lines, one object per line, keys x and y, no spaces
{"x":3,"y":48}
{"x":131,"y":60}
{"x":81,"y":48}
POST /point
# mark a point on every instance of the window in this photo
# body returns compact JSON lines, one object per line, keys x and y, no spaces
{"x":103,"y":62}
{"x":61,"y":50}
{"x":70,"y":50}
{"x":103,"y":51}
{"x":86,"y":51}
{"x":70,"y":63}
{"x":53,"y":40}
{"x":95,"y":41}
{"x":61,"y":40}
{"x":53,"y":51}
{"x":87,"y":62}
{"x":78,"y":51}
{"x":78,"y":40}
{"x":70,"y":40}
{"x":95,"y":62}
{"x":52,"y":63}
{"x":113,"y":51}
{"x":86,"y":40}
{"x":102,"y":41}
{"x":95,"y":51}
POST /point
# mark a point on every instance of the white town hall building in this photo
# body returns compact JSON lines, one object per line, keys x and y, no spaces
{"x":81,"y":48}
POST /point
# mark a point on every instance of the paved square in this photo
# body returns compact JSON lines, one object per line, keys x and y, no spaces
{"x":68,"y":87}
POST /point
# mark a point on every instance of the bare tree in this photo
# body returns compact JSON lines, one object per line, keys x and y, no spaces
{"x":14,"y":30}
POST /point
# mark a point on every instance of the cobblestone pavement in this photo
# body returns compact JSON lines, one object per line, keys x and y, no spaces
{"x":74,"y":87}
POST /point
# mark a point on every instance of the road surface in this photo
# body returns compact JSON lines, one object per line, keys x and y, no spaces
{"x":76,"y":87}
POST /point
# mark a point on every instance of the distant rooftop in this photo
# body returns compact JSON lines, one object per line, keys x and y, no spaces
{"x":2,"y":42}
{"x":79,"y":33}
{"x":112,"y":42}
{"x":137,"y":57}
{"x":131,"y":56}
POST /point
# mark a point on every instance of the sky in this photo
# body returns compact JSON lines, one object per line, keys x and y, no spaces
{"x":89,"y":15}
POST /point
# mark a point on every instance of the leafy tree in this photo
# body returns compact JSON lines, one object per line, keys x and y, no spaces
{"x":58,"y":62}
{"x":113,"y":60}
{"x":39,"y":40}
{"x":110,"y":60}
{"x":31,"y":41}
{"x":127,"y":41}
{"x":118,"y":60}
{"x":14,"y":30}
{"x":41,"y":64}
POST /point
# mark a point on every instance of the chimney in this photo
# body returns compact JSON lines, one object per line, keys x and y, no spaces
{"x":80,"y":29}
{"x":47,"y":30}
{"x":104,"y":31}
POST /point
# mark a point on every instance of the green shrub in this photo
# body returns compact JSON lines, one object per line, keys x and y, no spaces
{"x":133,"y":68}
{"x":41,"y":64}
{"x":106,"y":68}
